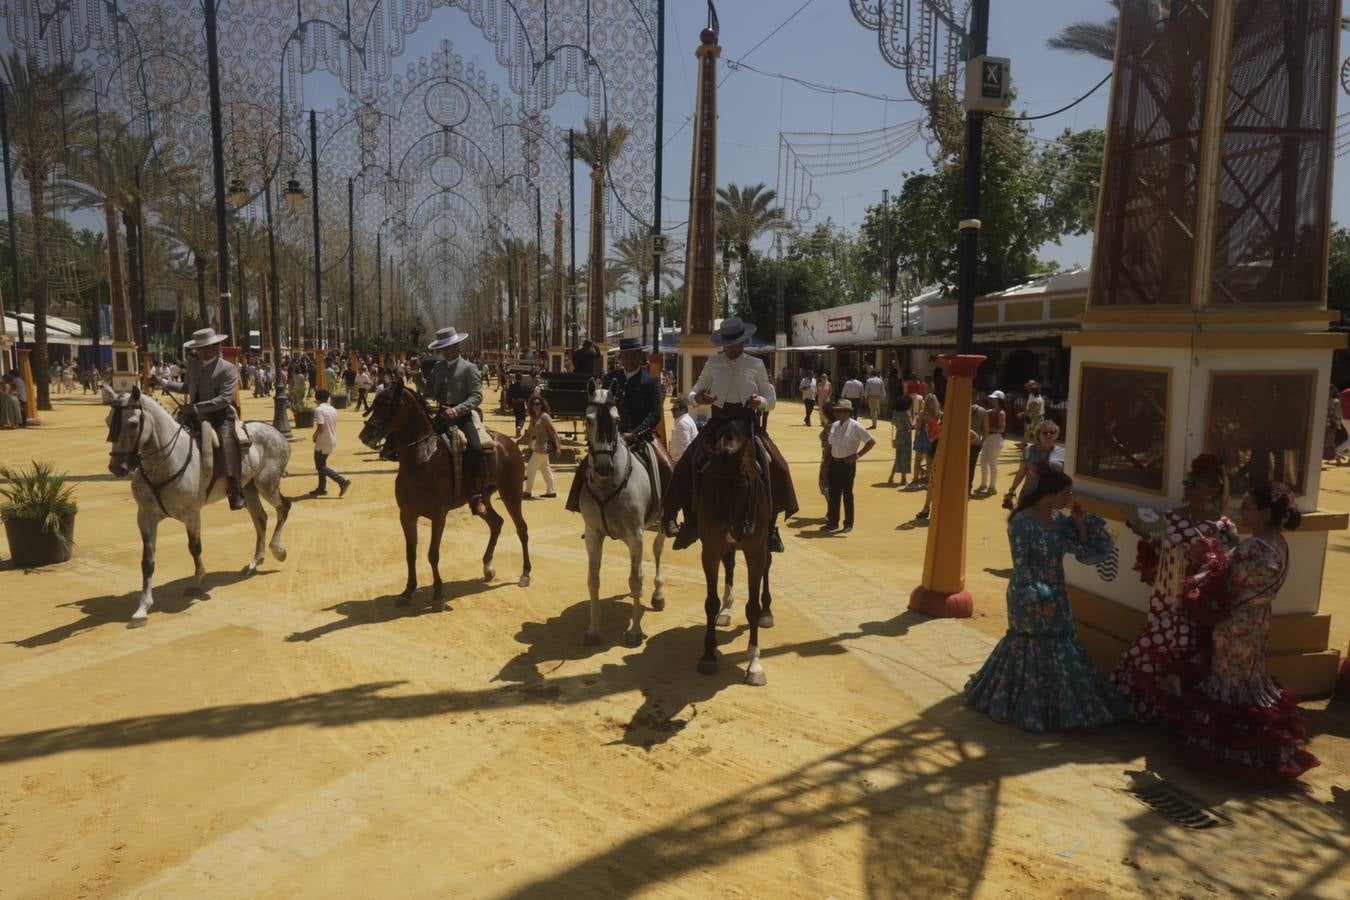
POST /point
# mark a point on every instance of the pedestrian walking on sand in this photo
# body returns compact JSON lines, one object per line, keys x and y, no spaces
{"x":543,"y":444}
{"x":849,"y":441}
{"x":852,"y":391}
{"x":904,"y":417}
{"x":874,"y":391}
{"x":325,"y":442}
{"x":807,"y":387}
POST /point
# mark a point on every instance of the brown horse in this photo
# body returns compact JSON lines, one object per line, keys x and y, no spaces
{"x":734,"y":513}
{"x":427,"y":486}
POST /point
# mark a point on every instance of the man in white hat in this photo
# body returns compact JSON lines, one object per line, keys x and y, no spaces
{"x":457,"y":387}
{"x":210,"y":383}
{"x":737,"y":386}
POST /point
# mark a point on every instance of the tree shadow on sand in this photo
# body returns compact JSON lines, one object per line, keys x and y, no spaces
{"x":378,"y":610}
{"x":171,"y":597}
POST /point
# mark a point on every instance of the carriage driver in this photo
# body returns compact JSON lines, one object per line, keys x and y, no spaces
{"x":637,"y":394}
{"x":210,"y":381}
{"x":457,"y":387}
{"x":738,"y":387}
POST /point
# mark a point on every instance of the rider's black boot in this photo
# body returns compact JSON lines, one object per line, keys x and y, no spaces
{"x":775,"y":540}
{"x":687,"y":535}
{"x":236,"y":496}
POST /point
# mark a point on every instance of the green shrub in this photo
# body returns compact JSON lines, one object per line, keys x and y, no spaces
{"x":37,"y":493}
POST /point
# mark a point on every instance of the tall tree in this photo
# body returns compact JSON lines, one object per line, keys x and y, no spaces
{"x":597,"y":146}
{"x":47,"y":107}
{"x":1338,"y":271}
{"x":743,"y":214}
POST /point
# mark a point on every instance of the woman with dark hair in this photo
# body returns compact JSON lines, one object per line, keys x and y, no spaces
{"x":1039,"y":677}
{"x":1234,"y":718}
{"x":543,"y":444}
{"x":1149,"y":672}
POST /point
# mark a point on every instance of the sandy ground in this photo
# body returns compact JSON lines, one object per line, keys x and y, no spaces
{"x":294,"y":734}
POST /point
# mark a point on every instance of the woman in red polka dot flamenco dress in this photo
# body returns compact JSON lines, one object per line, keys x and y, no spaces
{"x":1151,"y":670}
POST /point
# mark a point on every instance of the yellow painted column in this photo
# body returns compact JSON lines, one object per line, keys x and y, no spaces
{"x":320,"y":371}
{"x":942,"y":593}
{"x":26,"y":373}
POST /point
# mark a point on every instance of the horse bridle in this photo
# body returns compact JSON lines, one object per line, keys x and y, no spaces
{"x":136,"y":460}
{"x":602,"y":502}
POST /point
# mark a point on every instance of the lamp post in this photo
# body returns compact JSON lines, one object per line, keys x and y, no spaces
{"x":657,"y":243}
{"x":218,"y":164}
{"x":9,"y":207}
{"x":572,"y":240}
{"x":320,"y":378}
{"x":280,"y":421}
{"x":351,"y":265}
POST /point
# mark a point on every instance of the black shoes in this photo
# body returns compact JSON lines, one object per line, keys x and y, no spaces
{"x":688,"y":533}
{"x":775,"y":541}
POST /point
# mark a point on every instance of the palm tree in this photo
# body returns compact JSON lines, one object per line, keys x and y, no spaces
{"x":743,"y":214}
{"x":1099,"y":38}
{"x":46,"y":109}
{"x":190,"y":224}
{"x":634,"y":259}
{"x":598,"y":145}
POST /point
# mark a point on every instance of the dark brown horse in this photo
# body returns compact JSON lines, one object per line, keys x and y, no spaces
{"x":426,"y":486}
{"x":734,"y":513}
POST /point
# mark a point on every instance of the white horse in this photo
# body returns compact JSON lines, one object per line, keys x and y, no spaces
{"x":618,"y":501}
{"x":173,"y":479}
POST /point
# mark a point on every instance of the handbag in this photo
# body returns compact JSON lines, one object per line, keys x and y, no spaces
{"x":550,"y":448}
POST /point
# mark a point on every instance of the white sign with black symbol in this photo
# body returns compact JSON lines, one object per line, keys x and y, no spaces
{"x":988,"y":83}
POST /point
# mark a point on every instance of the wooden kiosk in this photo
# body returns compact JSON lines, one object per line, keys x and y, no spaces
{"x":1206,"y":323}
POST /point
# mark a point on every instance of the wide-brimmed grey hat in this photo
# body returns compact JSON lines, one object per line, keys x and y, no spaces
{"x":447,"y":337}
{"x":733,"y":331}
{"x":844,"y":405}
{"x":204,"y":337}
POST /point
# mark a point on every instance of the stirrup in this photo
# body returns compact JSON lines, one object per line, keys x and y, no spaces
{"x":478,"y":505}
{"x":775,"y":541}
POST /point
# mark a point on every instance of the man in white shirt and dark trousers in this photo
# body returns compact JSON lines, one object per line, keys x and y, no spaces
{"x":808,"y":392}
{"x":849,"y":442}
{"x":684,"y":432}
{"x":325,"y":442}
{"x":736,"y":386}
{"x":853,"y":392}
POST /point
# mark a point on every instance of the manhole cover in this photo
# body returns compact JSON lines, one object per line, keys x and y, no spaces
{"x":1175,"y":805}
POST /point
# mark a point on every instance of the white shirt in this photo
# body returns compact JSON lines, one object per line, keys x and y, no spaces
{"x":875,"y":387}
{"x":734,"y":381}
{"x":847,"y":438}
{"x":363,"y":380}
{"x":808,"y":388}
{"x":685,"y":432}
{"x":853,"y":389}
{"x":174,"y":372}
{"x":325,"y":418}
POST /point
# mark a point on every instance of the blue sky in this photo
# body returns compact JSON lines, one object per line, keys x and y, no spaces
{"x":824,"y":44}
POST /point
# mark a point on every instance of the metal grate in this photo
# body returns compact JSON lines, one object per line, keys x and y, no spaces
{"x":1175,"y":805}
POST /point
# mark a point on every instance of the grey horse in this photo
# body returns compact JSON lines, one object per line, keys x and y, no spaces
{"x":172,"y":479}
{"x":618,"y":501}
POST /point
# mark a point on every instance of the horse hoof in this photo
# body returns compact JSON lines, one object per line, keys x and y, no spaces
{"x":438,"y":605}
{"x":766,"y":621}
{"x":139,"y":623}
{"x":756,"y":679}
{"x":489,"y":573}
{"x":634,"y":638}
{"x":279,"y":554}
{"x":404,"y":599}
{"x":723,"y":619}
{"x":658,"y":603}
{"x":707,"y":667}
{"x":592,"y":638}
{"x":250,"y":568}
{"x":524,"y":581}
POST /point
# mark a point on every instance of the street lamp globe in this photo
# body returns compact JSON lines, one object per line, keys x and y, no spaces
{"x":294,"y":195}
{"x":238,"y":192}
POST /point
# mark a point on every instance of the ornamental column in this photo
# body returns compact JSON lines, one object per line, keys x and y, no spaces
{"x":125,"y":371}
{"x":696,"y":346}
{"x":595,"y":265}
{"x":557,"y":350}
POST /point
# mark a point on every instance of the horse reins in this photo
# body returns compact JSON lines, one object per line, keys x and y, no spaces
{"x":602,"y":502}
{"x":136,"y":460}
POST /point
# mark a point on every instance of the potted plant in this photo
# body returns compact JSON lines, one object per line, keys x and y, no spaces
{"x":39,"y":514}
{"x":302,"y":410}
{"x":339,"y":397}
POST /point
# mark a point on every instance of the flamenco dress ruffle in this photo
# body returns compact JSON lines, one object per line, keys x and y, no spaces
{"x":1248,"y":728}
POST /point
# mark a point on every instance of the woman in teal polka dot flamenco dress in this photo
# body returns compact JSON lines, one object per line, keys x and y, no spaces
{"x":1039,"y":677}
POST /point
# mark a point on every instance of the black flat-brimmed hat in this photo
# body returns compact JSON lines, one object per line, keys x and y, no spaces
{"x":733,"y":331}
{"x":630,"y":343}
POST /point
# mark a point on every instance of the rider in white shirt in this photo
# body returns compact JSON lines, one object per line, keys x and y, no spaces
{"x":736,"y":386}
{"x":684,"y":432}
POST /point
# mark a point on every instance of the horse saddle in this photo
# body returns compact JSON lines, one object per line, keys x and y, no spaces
{"x":212,"y":450}
{"x":458,"y":445}
{"x":649,"y":454}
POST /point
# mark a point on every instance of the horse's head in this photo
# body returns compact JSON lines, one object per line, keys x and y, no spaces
{"x":126,"y":424}
{"x":732,"y":450}
{"x":602,"y":429}
{"x":388,"y":414}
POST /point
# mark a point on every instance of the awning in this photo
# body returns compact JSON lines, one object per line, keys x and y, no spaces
{"x":813,"y":348}
{"x":982,"y":338}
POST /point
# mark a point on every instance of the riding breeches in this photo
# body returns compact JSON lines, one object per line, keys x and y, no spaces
{"x":223,"y":422}
{"x":474,"y":463}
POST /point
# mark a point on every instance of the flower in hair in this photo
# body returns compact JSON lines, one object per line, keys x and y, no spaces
{"x":1205,"y":462}
{"x":1281,"y":491}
